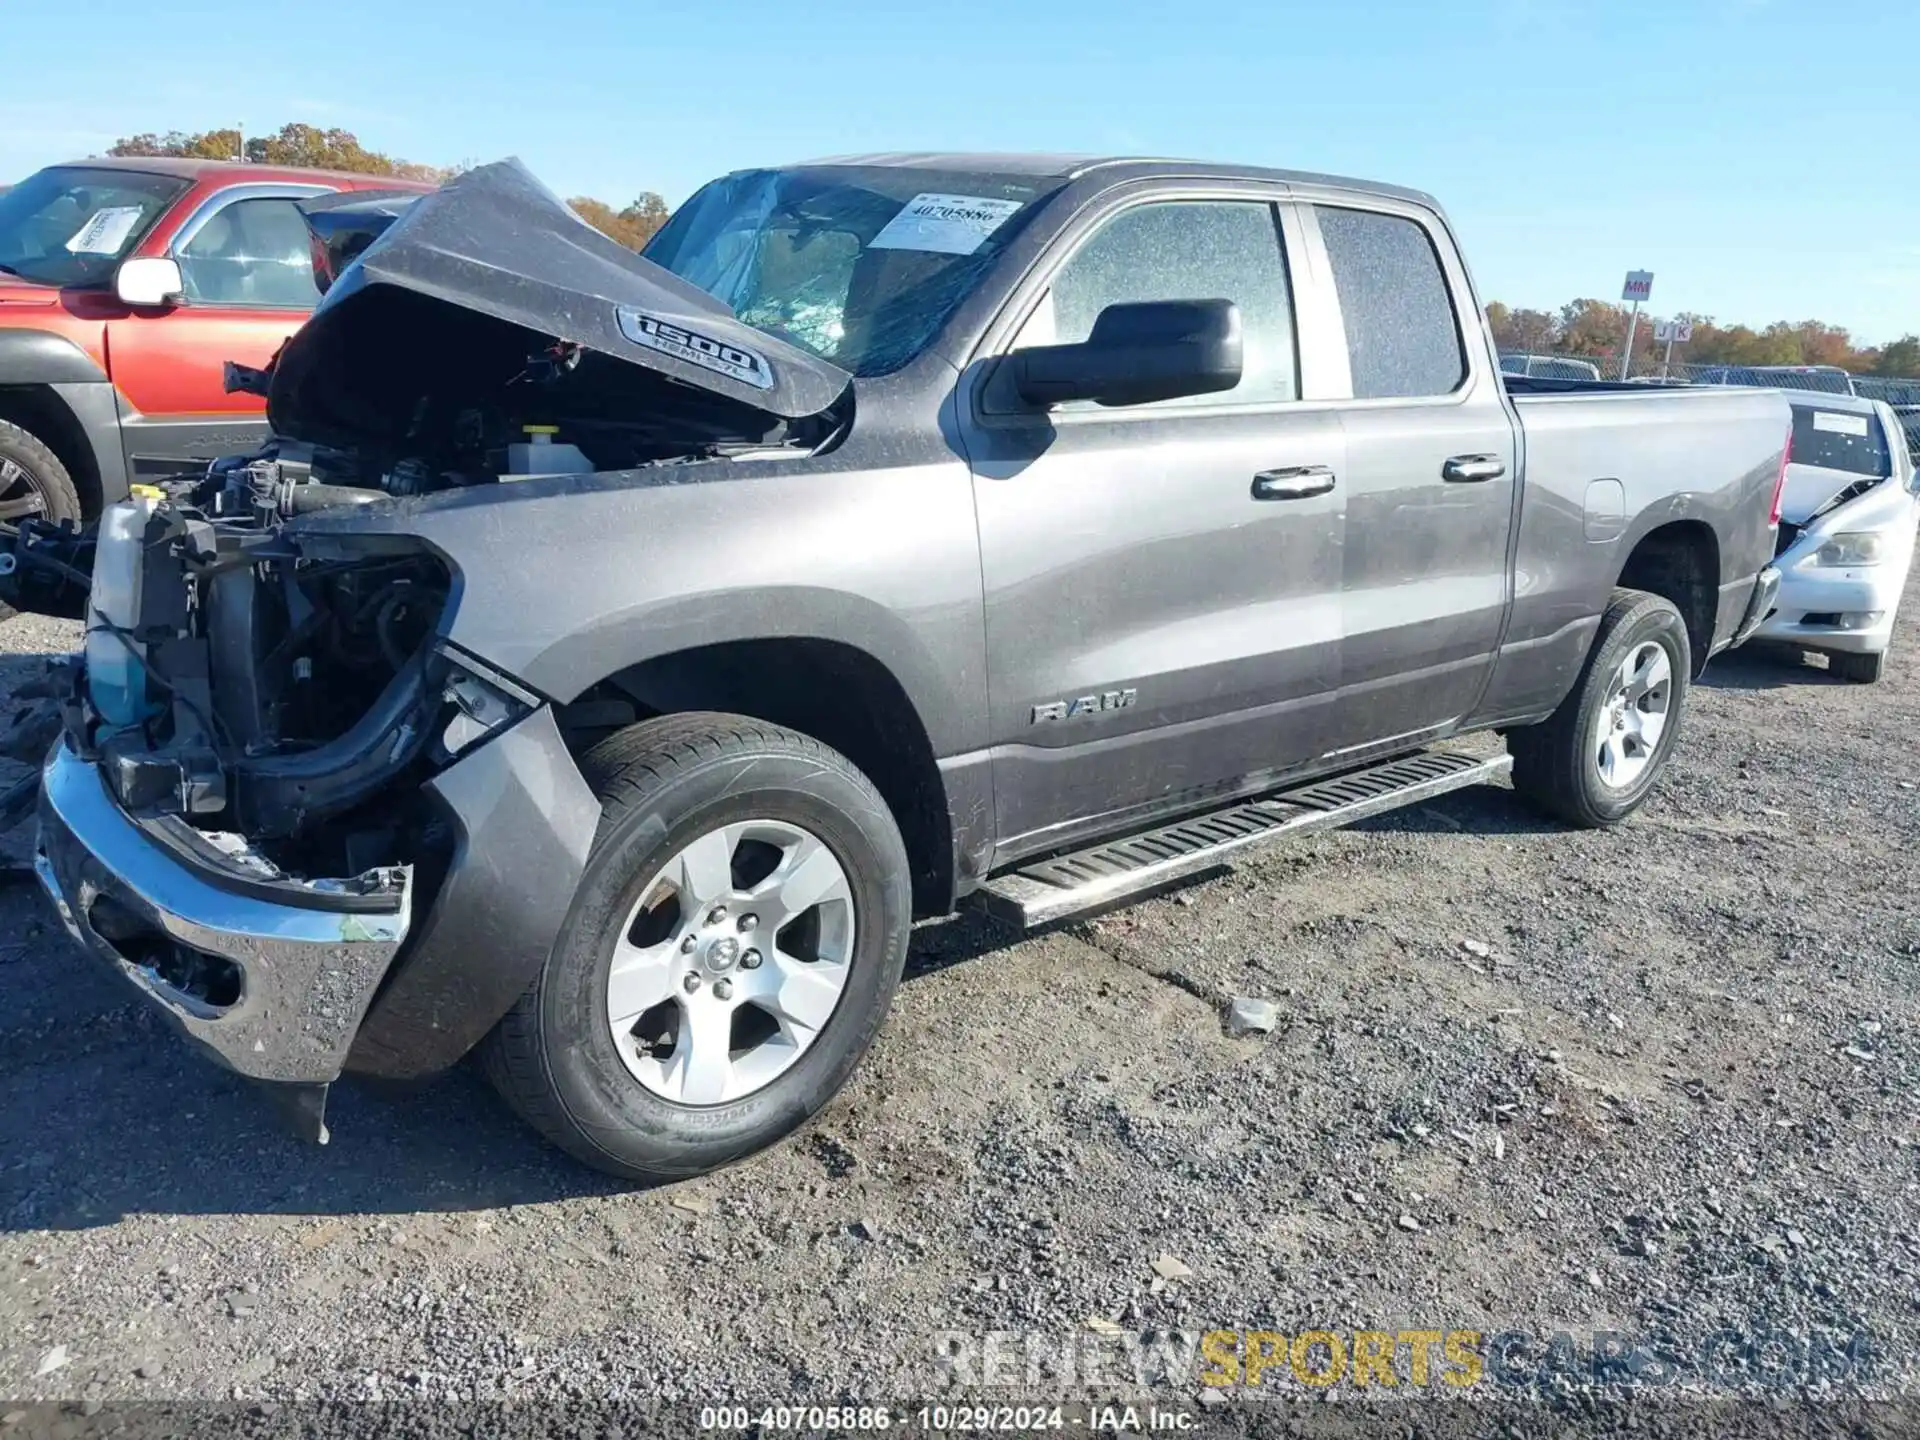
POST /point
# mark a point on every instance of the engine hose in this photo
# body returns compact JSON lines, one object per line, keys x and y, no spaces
{"x":304,"y":499}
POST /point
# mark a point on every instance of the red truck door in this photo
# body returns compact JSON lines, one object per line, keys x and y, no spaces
{"x":248,"y":274}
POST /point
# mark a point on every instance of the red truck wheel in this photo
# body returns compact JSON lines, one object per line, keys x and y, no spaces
{"x":34,"y":485}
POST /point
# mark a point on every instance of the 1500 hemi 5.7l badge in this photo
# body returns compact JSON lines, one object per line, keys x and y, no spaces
{"x":749,"y":367}
{"x":1084,"y":705}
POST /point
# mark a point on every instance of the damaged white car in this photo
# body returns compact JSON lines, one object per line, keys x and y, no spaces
{"x":1848,"y":513}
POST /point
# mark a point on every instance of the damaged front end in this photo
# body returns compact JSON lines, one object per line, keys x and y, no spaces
{"x":314,"y":830}
{"x":319,"y":835}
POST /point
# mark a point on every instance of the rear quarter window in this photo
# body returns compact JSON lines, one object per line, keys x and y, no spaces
{"x":1402,"y":337}
{"x":1840,"y":440}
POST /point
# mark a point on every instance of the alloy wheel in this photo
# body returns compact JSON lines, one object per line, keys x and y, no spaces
{"x":1627,"y":732}
{"x":731,"y":962}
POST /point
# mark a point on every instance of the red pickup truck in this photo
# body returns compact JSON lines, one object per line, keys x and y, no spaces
{"x":125,"y":287}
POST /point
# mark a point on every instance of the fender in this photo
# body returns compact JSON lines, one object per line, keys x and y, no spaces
{"x":39,"y":357}
{"x":85,"y":404}
{"x":565,"y":581}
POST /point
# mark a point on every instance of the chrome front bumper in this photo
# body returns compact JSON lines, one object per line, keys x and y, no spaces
{"x":297,"y":961}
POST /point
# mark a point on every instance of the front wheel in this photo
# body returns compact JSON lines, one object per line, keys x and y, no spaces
{"x":1595,"y":759}
{"x":34,"y":485}
{"x":729,"y":956}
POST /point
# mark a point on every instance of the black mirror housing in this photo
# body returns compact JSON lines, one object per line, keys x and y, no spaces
{"x":1138,"y":353}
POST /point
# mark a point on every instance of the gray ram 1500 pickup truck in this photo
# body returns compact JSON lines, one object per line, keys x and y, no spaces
{"x":614,"y":655}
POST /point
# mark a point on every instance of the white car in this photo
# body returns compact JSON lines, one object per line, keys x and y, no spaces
{"x":1848,"y":513}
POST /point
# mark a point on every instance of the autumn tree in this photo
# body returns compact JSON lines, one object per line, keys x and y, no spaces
{"x":1592,"y":328}
{"x":1522,"y":331}
{"x":1595,"y":330}
{"x":632,"y":226}
{"x":311,"y":147}
{"x":307,"y":146}
{"x":204,"y":145}
{"x":1901,"y":357}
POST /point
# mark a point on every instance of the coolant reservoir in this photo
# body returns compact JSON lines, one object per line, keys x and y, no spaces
{"x":116,"y":672}
{"x":541,"y":454}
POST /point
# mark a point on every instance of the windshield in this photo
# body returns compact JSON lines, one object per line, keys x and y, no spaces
{"x":70,"y":225}
{"x":1839,"y":440}
{"x":859,"y":264}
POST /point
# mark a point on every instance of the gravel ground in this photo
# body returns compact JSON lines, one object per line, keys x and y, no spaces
{"x":1656,"y":1081}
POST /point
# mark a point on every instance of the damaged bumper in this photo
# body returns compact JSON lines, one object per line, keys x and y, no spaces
{"x":270,"y":976}
{"x":294,"y":981}
{"x":1766,"y":589}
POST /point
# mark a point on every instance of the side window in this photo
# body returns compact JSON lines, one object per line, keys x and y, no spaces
{"x":253,"y":252}
{"x":1402,"y":337}
{"x":1183,"y":250}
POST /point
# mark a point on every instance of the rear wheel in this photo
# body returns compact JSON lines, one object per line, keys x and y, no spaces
{"x":1860,"y":669}
{"x":730,"y":954}
{"x":1595,"y":759}
{"x":34,"y":485}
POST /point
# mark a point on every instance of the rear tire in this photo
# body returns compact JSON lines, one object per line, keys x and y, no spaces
{"x":1593,"y":762}
{"x":33,"y":485}
{"x":1858,"y":669}
{"x":636,"y":1094}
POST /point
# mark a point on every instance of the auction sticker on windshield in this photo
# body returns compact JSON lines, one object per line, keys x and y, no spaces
{"x":946,"y":224}
{"x":735,"y":362}
{"x":106,"y":232}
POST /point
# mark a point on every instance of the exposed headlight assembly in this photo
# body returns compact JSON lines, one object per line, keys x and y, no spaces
{"x":1857,"y":548}
{"x":482,"y":701}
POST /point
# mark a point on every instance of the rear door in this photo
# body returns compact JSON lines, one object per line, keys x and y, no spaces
{"x":245,"y":256}
{"x":1162,"y":581}
{"x":1429,"y":478}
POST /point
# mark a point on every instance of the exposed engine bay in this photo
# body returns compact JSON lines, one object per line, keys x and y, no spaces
{"x":253,"y":684}
{"x":250,"y":676}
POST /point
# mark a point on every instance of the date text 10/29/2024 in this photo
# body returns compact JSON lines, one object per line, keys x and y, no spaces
{"x":1013,"y":1419}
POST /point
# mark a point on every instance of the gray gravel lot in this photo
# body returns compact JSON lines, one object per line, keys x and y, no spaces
{"x":1667,"y":1089}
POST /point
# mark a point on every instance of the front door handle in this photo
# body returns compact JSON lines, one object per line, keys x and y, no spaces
{"x":1295,"y":482}
{"x":1471,"y":469}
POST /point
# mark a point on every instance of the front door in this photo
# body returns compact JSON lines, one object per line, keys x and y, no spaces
{"x":1162,"y":581}
{"x":248,"y":270}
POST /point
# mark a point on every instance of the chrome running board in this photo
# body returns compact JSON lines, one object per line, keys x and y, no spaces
{"x":1042,"y":891}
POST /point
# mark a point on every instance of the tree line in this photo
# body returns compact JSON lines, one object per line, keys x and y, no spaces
{"x":1596,"y":330}
{"x":312,"y":147}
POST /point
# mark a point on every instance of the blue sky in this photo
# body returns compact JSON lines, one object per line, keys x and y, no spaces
{"x":1755,"y":154}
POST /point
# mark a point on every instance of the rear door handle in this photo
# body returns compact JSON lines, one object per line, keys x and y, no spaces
{"x":1471,"y":469}
{"x":1295,"y":482}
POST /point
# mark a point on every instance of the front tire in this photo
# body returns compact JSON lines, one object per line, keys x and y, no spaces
{"x":1594,"y":761}
{"x":730,"y":954}
{"x":34,"y":485}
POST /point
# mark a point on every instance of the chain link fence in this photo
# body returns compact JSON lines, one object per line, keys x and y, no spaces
{"x":1651,"y":366}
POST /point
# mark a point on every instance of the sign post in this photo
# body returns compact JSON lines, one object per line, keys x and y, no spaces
{"x":1639,"y":287}
{"x":1674,"y":332}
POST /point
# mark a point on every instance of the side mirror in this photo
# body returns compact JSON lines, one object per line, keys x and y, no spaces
{"x":1138,"y":353}
{"x":148,"y":283}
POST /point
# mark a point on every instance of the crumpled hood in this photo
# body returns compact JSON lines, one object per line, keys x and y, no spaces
{"x":497,"y":242}
{"x":1809,"y":487}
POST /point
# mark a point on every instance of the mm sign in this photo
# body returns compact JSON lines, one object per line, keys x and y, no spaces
{"x":1639,"y":286}
{"x":1676,"y":332}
